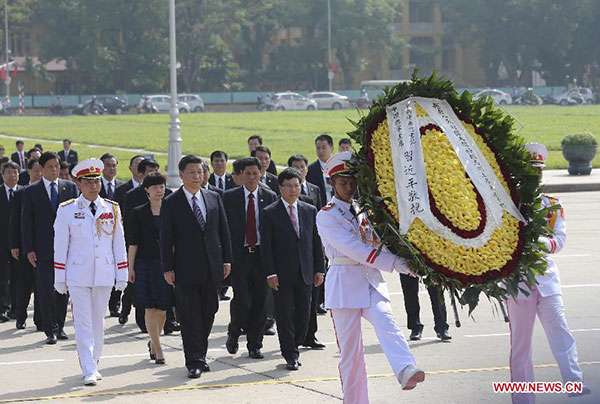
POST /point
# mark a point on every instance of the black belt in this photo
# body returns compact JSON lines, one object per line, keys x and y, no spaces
{"x":251,"y":250}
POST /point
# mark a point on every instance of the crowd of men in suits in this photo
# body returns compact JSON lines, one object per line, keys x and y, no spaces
{"x":251,"y":230}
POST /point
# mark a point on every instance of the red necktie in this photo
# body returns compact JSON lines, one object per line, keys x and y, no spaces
{"x":294,"y":220}
{"x":251,"y":237}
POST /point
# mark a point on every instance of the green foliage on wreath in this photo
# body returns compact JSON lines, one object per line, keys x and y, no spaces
{"x":497,"y":128}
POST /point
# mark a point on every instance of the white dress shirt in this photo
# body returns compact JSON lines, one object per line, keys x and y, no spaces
{"x":105,"y":184}
{"x":327,"y":182}
{"x":246,"y":199}
{"x":135,"y":183}
{"x":217,"y":177}
{"x":199,"y":201}
{"x":47,"y":186}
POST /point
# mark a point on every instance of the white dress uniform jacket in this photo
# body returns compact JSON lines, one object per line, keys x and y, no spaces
{"x":344,"y":236}
{"x":549,"y":283}
{"x":89,"y":250}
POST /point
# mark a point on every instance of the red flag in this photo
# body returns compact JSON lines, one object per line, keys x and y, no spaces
{"x":14,"y":73}
{"x":332,"y":67}
{"x":3,"y":74}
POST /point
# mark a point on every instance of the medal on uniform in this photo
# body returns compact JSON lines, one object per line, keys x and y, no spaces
{"x":107,"y":223}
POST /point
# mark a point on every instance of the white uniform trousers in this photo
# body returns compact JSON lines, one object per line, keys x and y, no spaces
{"x":89,"y":307}
{"x":551,"y":311}
{"x":347,"y":326}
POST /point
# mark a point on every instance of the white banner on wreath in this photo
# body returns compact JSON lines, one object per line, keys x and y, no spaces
{"x":409,"y":166}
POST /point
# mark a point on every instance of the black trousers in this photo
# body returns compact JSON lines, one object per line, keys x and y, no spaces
{"x":25,"y":287}
{"x":52,"y":304}
{"x":114,"y":303}
{"x":410,"y":289}
{"x":249,"y":304}
{"x":196,"y":309}
{"x":8,"y":284}
{"x":292,"y":312}
{"x":312,"y":321}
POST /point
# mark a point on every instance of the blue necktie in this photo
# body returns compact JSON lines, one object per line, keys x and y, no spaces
{"x":198,"y":213}
{"x":53,"y":196}
{"x":221,"y":184}
{"x":110,"y":193}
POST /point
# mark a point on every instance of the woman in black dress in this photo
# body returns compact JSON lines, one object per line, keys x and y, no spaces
{"x":151,"y":289}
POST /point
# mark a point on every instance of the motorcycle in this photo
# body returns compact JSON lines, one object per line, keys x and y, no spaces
{"x":92,"y":107}
{"x":528,"y":98}
{"x":265,"y":103}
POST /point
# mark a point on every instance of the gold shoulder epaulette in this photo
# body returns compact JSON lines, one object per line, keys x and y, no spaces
{"x":70,"y":201}
{"x":111,"y":201}
{"x":328,"y":206}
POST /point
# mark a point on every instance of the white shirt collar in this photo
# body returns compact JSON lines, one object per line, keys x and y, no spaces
{"x":189,"y":195}
{"x":246,"y":192}
{"x":9,"y":188}
{"x":105,"y":181}
{"x":217,"y":176}
{"x":322,"y":163}
{"x":287,"y":205}
{"x":343,"y":204}
{"x":135,"y":183}
{"x":47,"y":183}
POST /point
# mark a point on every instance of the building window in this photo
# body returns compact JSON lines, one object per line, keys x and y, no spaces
{"x":421,"y":53}
{"x":20,"y":43}
{"x":420,"y":11}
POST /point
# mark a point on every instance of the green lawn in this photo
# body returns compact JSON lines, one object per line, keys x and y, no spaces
{"x":284,"y":132}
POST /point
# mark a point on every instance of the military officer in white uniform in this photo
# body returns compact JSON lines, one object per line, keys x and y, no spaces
{"x":355,"y":288}
{"x":545,"y":300}
{"x":89,"y":259}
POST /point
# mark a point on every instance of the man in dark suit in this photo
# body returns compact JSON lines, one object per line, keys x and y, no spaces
{"x":324,"y":146}
{"x":263,"y":154}
{"x":40,"y":202}
{"x":66,"y":154}
{"x":292,"y":257}
{"x":8,"y":265}
{"x":20,"y":157}
{"x":109,"y":184}
{"x":253,"y":142}
{"x":205,"y":183}
{"x":313,"y":193}
{"x":195,"y":248}
{"x":134,"y":182}
{"x":32,"y":154}
{"x":26,"y":276}
{"x":244,"y":206}
{"x":220,"y":178}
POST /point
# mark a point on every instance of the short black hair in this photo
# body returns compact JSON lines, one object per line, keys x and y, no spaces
{"x":31,"y":162}
{"x":288,"y":174}
{"x":147,"y":163}
{"x":106,"y":156}
{"x":263,"y":149}
{"x":250,"y":161}
{"x":18,"y":142}
{"x":218,"y":153}
{"x":47,"y":156}
{"x":64,"y":164}
{"x":38,"y":146}
{"x":153,"y":179}
{"x":257,"y":137}
{"x":34,"y":149}
{"x":237,"y":166}
{"x":66,"y":140}
{"x":189,"y":159}
{"x":324,"y":137}
{"x":345,"y":141}
{"x":137,"y":156}
{"x":297,"y":157}
{"x":9,"y":164}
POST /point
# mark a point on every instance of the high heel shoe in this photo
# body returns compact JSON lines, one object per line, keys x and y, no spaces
{"x":152,"y":356}
{"x":160,"y":361}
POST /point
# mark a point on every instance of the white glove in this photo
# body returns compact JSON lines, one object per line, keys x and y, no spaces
{"x":120,"y":286}
{"x":61,"y":287}
{"x":402,"y":267}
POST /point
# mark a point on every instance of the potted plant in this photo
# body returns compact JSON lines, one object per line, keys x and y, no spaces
{"x":579,"y":150}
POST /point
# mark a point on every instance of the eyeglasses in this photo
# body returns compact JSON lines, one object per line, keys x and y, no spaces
{"x":291,"y":186}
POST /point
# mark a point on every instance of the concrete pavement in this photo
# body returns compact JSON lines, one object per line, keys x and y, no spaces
{"x":460,"y":371}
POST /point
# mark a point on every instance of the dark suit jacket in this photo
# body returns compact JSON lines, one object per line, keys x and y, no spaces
{"x":121,"y":191}
{"x":314,"y":193}
{"x":315,"y":176}
{"x":271,"y":182}
{"x":229,"y":184}
{"x":37,"y":219}
{"x":15,"y":239}
{"x":15,"y":157}
{"x":5,"y":210}
{"x":23,"y":178}
{"x":73,"y":158}
{"x":235,"y":208}
{"x":103,"y":191}
{"x":182,"y":241}
{"x":283,"y":252}
{"x":215,"y":189}
{"x":134,"y":198}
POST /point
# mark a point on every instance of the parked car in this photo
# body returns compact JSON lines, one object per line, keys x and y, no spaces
{"x":294,"y":102}
{"x":193,"y":100}
{"x":587,"y":95}
{"x":113,"y":105}
{"x":569,"y":97}
{"x":327,"y":100}
{"x":499,"y":97}
{"x":163,"y":103}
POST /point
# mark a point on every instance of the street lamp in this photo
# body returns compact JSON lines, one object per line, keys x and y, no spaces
{"x":6,"y":48}
{"x":173,"y":180}
{"x":329,"y":72}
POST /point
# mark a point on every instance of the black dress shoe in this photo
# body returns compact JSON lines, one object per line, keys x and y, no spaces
{"x":224,"y":297}
{"x":321,"y":309}
{"x":444,"y":336}
{"x":168,"y":330}
{"x":160,"y":361}
{"x":4,"y":317}
{"x":270,"y":331}
{"x":51,"y":339}
{"x":203,"y":366}
{"x":255,"y":354}
{"x":292,"y":364}
{"x":232,"y":344}
{"x":416,"y":335}
{"x":152,"y":356}
{"x":175,"y":326}
{"x":115,"y":313}
{"x":313,"y":344}
{"x":61,"y":335}
{"x":194,"y":373}
{"x":123,"y":320}
{"x":20,"y":325}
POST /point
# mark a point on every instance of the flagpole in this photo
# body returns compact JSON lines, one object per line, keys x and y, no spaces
{"x":173,"y":180}
{"x":329,"y":72}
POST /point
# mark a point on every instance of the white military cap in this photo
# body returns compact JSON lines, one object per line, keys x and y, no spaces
{"x":339,"y":164}
{"x":90,"y":168}
{"x":537,"y":154}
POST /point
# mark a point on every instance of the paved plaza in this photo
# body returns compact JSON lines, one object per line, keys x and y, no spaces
{"x":457,"y":372}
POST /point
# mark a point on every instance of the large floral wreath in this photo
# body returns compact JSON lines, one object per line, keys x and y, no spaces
{"x":501,"y":256}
